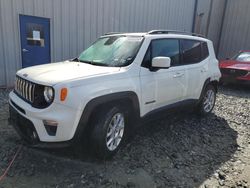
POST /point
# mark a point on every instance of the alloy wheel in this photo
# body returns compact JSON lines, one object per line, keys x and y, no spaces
{"x":115,"y":131}
{"x":209,"y":100}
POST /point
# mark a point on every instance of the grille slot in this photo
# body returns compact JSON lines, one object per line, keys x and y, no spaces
{"x":234,"y":72}
{"x":25,"y":89}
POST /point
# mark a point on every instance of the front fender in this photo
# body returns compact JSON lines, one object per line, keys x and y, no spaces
{"x":102,"y":100}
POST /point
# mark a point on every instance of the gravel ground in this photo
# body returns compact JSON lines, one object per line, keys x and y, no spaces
{"x":179,"y":151}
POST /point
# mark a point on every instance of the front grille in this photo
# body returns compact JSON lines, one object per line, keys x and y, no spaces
{"x":25,"y":89}
{"x":234,"y":72}
{"x":31,"y":93}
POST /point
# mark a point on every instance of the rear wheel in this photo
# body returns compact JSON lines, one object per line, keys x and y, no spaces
{"x":207,"y":102}
{"x":109,"y":128}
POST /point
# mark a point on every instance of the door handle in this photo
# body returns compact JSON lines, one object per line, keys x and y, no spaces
{"x":25,"y":50}
{"x":203,"y":70}
{"x":178,"y":74}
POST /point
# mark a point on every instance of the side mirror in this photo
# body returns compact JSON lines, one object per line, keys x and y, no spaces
{"x":160,"y":63}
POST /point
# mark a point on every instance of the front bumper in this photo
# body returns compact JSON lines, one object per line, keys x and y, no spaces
{"x":29,"y":121}
{"x":27,"y":131}
{"x":23,"y":126}
{"x":232,"y":79}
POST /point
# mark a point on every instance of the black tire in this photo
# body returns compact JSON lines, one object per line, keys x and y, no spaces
{"x":201,"y":108}
{"x":99,"y":133}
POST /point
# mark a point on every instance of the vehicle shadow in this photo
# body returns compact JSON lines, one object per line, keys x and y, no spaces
{"x":185,"y":149}
{"x":175,"y":151}
{"x":181,"y":150}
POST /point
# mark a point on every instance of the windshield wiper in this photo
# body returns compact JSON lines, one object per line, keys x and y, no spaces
{"x":99,"y":64}
{"x":90,"y":62}
{"x":94,"y":63}
{"x":81,"y":61}
{"x":75,"y":59}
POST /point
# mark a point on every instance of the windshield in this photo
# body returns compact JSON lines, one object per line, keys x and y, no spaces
{"x":243,"y":57}
{"x":114,"y":51}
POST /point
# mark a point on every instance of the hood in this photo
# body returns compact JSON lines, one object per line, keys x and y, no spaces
{"x":232,"y":64}
{"x":50,"y":74}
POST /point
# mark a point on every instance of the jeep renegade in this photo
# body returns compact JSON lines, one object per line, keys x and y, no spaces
{"x":120,"y":79}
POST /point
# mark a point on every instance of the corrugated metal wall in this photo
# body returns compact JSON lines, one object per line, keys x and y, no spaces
{"x":215,"y":22}
{"x":236,"y":28}
{"x":212,"y":29}
{"x":77,"y":23}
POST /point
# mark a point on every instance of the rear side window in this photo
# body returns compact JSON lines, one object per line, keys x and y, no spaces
{"x":191,"y":51}
{"x":205,"y":52}
{"x":194,"y":51}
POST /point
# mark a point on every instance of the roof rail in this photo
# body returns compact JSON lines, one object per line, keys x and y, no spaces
{"x":174,"y":32}
{"x":113,"y":33}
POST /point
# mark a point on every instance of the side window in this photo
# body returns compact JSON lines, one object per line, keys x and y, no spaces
{"x":191,"y":51}
{"x":205,"y":52}
{"x":167,"y":48}
{"x":163,"y":47}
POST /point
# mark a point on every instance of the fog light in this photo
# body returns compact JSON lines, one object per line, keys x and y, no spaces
{"x":50,"y":126}
{"x":50,"y":122}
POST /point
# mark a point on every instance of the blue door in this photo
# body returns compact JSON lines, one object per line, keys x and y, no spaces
{"x":35,"y":40}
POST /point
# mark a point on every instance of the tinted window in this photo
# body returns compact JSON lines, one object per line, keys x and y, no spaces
{"x":205,"y":52}
{"x":191,"y":50}
{"x":165,"y":48}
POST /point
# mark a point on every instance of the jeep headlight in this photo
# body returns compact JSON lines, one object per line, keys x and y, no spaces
{"x":48,"y":94}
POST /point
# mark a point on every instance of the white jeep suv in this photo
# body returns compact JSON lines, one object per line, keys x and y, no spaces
{"x":119,"y":80}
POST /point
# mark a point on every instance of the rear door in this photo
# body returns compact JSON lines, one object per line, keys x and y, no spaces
{"x":195,"y":59}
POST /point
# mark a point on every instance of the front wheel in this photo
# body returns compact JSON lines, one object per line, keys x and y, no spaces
{"x":207,"y":102}
{"x":108,"y":131}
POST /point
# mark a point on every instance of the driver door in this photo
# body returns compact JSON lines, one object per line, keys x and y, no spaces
{"x":164,"y":86}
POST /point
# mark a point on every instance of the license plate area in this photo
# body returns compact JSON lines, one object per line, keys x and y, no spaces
{"x":23,"y":126}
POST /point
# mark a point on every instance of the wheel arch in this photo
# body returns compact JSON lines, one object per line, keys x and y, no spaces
{"x":215,"y":83}
{"x":208,"y":81}
{"x":129,"y":99}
